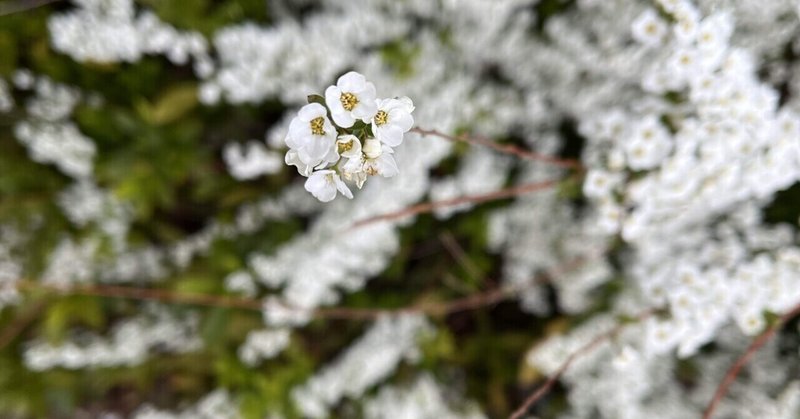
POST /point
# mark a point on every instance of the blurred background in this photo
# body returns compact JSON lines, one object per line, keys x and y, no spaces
{"x":159,"y":259}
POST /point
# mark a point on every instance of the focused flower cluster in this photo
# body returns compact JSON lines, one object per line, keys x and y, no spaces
{"x":358,"y":143}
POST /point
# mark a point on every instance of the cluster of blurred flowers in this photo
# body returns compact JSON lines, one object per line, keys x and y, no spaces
{"x":689,"y":112}
{"x":357,"y":143}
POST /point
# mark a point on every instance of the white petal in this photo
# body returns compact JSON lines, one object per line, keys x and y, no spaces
{"x":341,"y":187}
{"x":298,"y":132}
{"x":390,"y":134}
{"x":329,"y":129}
{"x":383,"y":103}
{"x":311,"y":111}
{"x":402,"y":119}
{"x":333,"y":96}
{"x":351,"y":82}
{"x":292,"y":159}
{"x":306,"y":158}
{"x":367,"y":93}
{"x":408,"y":105}
{"x":354,"y":165}
{"x":372,"y":148}
{"x":320,"y":186}
{"x":365,"y":111}
{"x":360,"y":177}
{"x":343,"y":118}
{"x":332,"y":156}
{"x":386,"y":165}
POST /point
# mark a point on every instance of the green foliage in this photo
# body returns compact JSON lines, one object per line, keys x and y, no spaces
{"x":399,"y":56}
{"x":207,"y":16}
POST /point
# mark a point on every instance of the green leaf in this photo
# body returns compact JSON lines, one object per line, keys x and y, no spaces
{"x":171,"y":106}
{"x":62,"y":313}
{"x":316,"y":99}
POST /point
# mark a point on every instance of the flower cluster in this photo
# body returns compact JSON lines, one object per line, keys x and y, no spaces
{"x":111,"y":31}
{"x":369,"y":360}
{"x":347,"y":135}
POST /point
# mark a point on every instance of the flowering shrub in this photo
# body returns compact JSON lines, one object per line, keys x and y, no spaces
{"x":588,"y":210}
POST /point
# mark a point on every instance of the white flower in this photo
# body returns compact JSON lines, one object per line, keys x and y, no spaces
{"x":750,"y":321}
{"x":353,"y":170}
{"x":376,"y":159}
{"x":383,"y":165}
{"x":600,"y":183}
{"x":648,"y":145}
{"x":348,"y":146}
{"x":684,"y":63}
{"x":649,"y":29}
{"x":248,"y":161}
{"x":311,"y":135}
{"x":715,"y":31}
{"x":292,"y":159}
{"x":393,"y":120}
{"x":353,"y":97}
{"x":372,"y":148}
{"x":687,"y":25}
{"x":263,"y":344}
{"x":323,"y":184}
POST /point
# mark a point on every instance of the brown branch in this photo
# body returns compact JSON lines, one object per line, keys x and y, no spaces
{"x":11,"y":7}
{"x":146,"y":294}
{"x":169,"y":296}
{"x":737,"y":366}
{"x":19,"y":324}
{"x":457,"y":252}
{"x":427,"y":207}
{"x":503,"y":148}
{"x":470,"y":302}
{"x":585,"y":349}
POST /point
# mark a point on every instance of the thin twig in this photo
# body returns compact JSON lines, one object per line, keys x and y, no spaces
{"x":737,"y":366}
{"x":146,"y":294}
{"x":457,"y":252}
{"x":19,"y":324}
{"x":427,"y":207}
{"x":585,"y":349}
{"x":11,"y":7}
{"x":169,"y":296}
{"x":470,"y":302}
{"x":503,"y":148}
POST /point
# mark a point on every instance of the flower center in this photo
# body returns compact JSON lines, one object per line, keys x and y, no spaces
{"x":344,"y":147}
{"x":317,"y":125}
{"x":349,"y":101}
{"x":381,"y":118}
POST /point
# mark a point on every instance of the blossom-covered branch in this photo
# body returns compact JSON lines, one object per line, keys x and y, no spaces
{"x":737,"y":366}
{"x":598,"y":340}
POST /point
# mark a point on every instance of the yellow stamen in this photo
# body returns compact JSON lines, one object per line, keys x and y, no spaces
{"x":344,"y":147}
{"x":349,"y":101}
{"x":317,"y":125}
{"x":381,"y":118}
